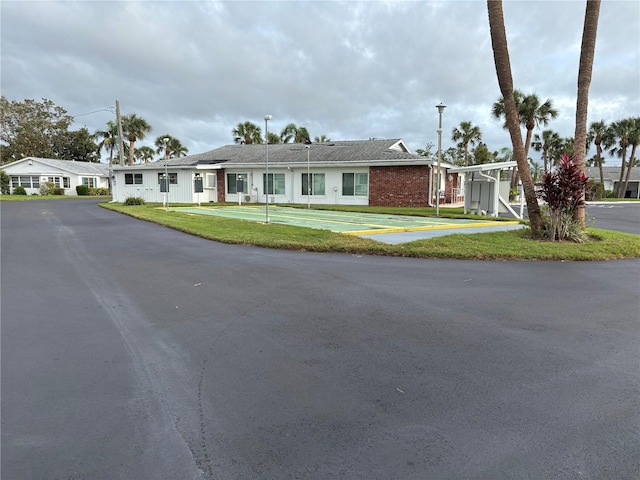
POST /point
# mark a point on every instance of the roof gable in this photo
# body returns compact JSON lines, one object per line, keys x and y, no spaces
{"x":37,"y":165}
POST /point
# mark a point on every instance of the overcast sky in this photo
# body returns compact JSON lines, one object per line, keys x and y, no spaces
{"x":349,"y":70}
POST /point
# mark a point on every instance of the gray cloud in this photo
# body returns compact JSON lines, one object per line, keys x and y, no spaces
{"x":350,"y":70}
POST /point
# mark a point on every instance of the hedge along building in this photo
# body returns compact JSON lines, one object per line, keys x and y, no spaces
{"x":31,"y":172}
{"x":366,"y":172}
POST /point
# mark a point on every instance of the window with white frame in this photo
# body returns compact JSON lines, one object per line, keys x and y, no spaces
{"x":173,"y":178}
{"x":355,"y":184}
{"x":210,"y":180}
{"x":276,"y":183}
{"x":133,"y":179}
{"x":25,"y":181}
{"x":232,"y":183}
{"x":317,"y":184}
{"x":88,"y":181}
{"x":66,"y":182}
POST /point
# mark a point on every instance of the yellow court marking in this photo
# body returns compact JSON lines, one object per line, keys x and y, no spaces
{"x":438,"y":227}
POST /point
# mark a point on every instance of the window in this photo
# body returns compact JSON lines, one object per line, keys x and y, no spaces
{"x":26,"y":182}
{"x":90,"y":181}
{"x":355,"y":184}
{"x":232,"y":182}
{"x":211,"y":180}
{"x":276,"y":183}
{"x":317,"y":184}
{"x":15,"y":181}
{"x":55,"y":181}
{"x":66,"y":182}
{"x":173,"y":178}
{"x":133,"y":179}
{"x":35,"y":182}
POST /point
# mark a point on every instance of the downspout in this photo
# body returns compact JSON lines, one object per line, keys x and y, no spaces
{"x":496,"y":193}
{"x":430,"y":186}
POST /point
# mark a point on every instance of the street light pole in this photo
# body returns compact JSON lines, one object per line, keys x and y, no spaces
{"x":166,"y":172}
{"x":440,"y":108}
{"x":266,"y":154}
{"x":308,"y":178}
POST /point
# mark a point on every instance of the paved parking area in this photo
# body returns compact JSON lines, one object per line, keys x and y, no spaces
{"x":382,"y":227}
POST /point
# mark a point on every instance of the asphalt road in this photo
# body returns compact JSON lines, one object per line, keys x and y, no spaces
{"x":131,"y":351}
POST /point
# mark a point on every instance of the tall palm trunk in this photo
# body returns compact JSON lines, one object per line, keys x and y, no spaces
{"x":632,"y":160}
{"x":505,"y":80}
{"x":623,"y":164}
{"x":587,"y":52}
{"x":599,"y":159}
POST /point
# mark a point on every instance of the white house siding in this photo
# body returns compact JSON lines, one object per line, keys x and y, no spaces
{"x":46,"y":173}
{"x":293,"y":186}
{"x":149,"y":189}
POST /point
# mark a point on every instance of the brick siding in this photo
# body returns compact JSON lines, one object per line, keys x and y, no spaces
{"x":402,"y":186}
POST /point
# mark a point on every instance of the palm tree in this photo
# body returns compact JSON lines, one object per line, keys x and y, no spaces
{"x":618,"y":138}
{"x":274,"y":138}
{"x":634,"y":140}
{"x":505,"y":80}
{"x":135,"y":128}
{"x":172,"y":149}
{"x":108,"y":140}
{"x":295,"y":133}
{"x":321,"y":138}
{"x":536,"y":170}
{"x":246,"y":133}
{"x":587,"y":51}
{"x":546,"y":143}
{"x":597,"y":135}
{"x":144,"y":154}
{"x":465,"y":135}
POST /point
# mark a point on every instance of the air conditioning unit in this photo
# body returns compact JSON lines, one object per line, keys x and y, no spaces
{"x":249,"y":199}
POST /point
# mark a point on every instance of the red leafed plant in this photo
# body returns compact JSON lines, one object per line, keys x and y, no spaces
{"x":562,"y":190}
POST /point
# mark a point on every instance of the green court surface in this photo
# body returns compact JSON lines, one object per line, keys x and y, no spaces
{"x":351,"y":223}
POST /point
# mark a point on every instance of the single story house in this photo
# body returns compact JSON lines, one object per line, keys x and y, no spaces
{"x":612,"y":179}
{"x":31,"y":172}
{"x":364,"y":172}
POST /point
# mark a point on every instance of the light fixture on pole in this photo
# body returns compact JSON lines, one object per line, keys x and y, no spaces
{"x":165,"y":140}
{"x":266,"y":155}
{"x":440,"y":108}
{"x":308,"y":178}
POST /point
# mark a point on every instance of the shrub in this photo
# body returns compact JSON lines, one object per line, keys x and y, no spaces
{"x":562,"y":190}
{"x":610,"y":194}
{"x":19,"y":190}
{"x":82,"y":190}
{"x":134,"y":201}
{"x":99,"y":191}
{"x":5,"y":182}
{"x":47,"y":188}
{"x":594,"y":191}
{"x":58,"y":191}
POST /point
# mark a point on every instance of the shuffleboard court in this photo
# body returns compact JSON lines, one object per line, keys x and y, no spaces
{"x":351,"y":223}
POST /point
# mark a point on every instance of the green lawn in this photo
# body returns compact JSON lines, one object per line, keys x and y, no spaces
{"x":510,"y":245}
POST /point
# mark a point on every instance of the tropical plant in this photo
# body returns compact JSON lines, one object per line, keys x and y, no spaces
{"x":144,"y":154}
{"x":274,"y":138}
{"x":634,"y":140}
{"x":587,"y":52}
{"x":246,"y":133}
{"x":536,"y":170}
{"x":618,"y":137}
{"x":172,"y":149}
{"x":512,"y":117}
{"x":466,"y":134}
{"x":108,"y":140}
{"x":321,"y":138}
{"x":598,"y":136}
{"x":563,"y":191}
{"x":134,"y":128}
{"x":134,"y":201}
{"x":548,"y":142}
{"x":294,"y":133}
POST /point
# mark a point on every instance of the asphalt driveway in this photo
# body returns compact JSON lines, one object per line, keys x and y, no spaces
{"x":132,"y":351}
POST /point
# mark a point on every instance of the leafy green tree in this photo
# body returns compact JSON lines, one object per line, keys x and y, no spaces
{"x":173,"y":148}
{"x":427,"y":151}
{"x":482,"y":154}
{"x":321,"y":138}
{"x":144,"y":154}
{"x":618,"y":137}
{"x":510,"y":111}
{"x":247,"y":133}
{"x":536,"y":170}
{"x":466,"y":134}
{"x":5,"y":182}
{"x":30,"y":128}
{"x":134,"y":128}
{"x":294,"y":133}
{"x":76,"y":145}
{"x":548,"y":142}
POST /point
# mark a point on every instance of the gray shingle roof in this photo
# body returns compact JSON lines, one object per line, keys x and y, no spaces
{"x":78,"y":168}
{"x":611,"y":173}
{"x":354,"y":151}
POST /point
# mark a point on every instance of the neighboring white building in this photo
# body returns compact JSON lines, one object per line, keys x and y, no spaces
{"x":361,"y":172}
{"x":31,"y":172}
{"x":612,"y":179}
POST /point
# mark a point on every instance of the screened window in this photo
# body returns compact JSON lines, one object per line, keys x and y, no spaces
{"x":55,"y":181}
{"x":90,"y":181}
{"x":232,"y":182}
{"x":133,"y":179}
{"x":25,"y":182}
{"x":355,"y":184}
{"x":317,"y":184}
{"x":276,"y":183}
{"x":211,"y":180}
{"x":173,"y":178}
{"x":15,"y":181}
